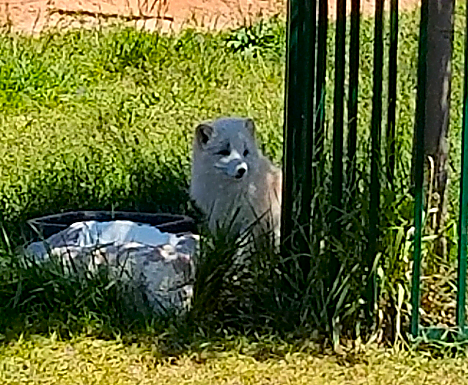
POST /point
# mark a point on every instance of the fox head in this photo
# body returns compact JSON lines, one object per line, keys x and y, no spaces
{"x":227,"y":146}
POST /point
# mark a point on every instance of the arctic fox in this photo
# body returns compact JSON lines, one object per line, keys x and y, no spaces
{"x":234,"y":185}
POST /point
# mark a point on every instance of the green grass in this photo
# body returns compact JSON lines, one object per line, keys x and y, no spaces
{"x":104,"y":119}
{"x":90,"y":361}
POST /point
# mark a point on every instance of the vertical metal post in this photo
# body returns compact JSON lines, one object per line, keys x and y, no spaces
{"x":463,"y":219}
{"x":319,"y":128}
{"x":375,"y":152}
{"x":353,"y":90}
{"x":338,"y":112}
{"x":392,"y":89}
{"x":419,"y":168}
{"x":299,"y":122}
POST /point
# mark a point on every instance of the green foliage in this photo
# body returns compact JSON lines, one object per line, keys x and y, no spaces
{"x":42,"y":297}
{"x":103,"y":119}
{"x":259,"y":39}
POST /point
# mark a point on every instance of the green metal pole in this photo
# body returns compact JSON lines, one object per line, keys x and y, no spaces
{"x":319,"y":129}
{"x":375,"y":154}
{"x":419,"y":168}
{"x":308,"y":136}
{"x":338,"y":112}
{"x":463,"y":220}
{"x":299,"y":121}
{"x":353,"y":91}
{"x":320,"y":88}
{"x":392,"y":89}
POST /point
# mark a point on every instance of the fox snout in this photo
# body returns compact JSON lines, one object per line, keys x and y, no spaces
{"x":234,"y":168}
{"x":241,"y":170}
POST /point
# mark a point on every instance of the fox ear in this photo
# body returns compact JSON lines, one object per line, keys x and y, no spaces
{"x":203,"y":133}
{"x":250,"y":125}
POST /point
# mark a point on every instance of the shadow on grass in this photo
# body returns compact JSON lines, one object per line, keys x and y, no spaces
{"x":265,"y":294}
{"x":230,"y":305}
{"x":42,"y":298}
{"x":230,"y":298}
{"x":151,"y":187}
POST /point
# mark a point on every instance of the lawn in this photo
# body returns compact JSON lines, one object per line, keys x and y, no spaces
{"x":90,"y":361}
{"x":104,"y":119}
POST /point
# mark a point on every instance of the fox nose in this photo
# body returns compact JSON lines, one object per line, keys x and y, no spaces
{"x":240,"y":172}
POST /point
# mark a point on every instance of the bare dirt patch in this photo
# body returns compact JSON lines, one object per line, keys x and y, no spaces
{"x":35,"y":15}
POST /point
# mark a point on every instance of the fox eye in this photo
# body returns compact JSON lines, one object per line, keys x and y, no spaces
{"x":246,"y":152}
{"x":224,"y":152}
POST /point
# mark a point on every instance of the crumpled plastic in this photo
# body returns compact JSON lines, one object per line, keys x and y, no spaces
{"x":157,"y":265}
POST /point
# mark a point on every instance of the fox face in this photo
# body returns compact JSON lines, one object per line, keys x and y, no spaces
{"x":228,"y":147}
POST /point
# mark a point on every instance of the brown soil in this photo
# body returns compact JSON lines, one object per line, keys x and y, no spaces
{"x":34,"y":15}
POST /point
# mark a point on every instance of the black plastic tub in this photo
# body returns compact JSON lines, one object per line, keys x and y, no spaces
{"x":44,"y":227}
